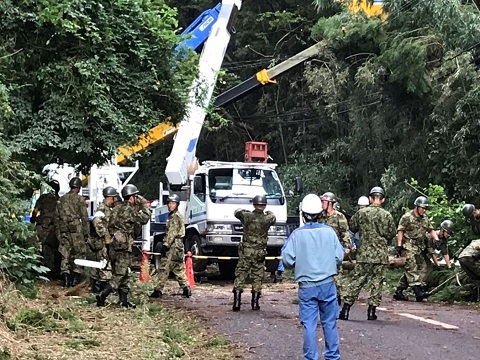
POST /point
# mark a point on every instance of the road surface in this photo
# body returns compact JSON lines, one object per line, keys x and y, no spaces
{"x":405,"y":330}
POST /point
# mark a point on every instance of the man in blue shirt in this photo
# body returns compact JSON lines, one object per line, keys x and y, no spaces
{"x":315,"y":252}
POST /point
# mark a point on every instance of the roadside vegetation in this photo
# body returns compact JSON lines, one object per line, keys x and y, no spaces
{"x":55,"y":326}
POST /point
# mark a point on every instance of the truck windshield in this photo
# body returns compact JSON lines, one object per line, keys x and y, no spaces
{"x":239,"y":186}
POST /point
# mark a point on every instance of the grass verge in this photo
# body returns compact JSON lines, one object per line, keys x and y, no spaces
{"x":54,"y":326}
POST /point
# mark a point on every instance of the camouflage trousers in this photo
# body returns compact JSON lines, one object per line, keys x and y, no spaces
{"x":251,"y":263}
{"x":71,"y":246}
{"x":417,"y":267}
{"x":101,"y":274}
{"x":121,"y":261}
{"x":339,"y":282}
{"x":368,"y":274}
{"x":169,"y":265}
{"x":50,"y":254}
{"x":471,"y":266}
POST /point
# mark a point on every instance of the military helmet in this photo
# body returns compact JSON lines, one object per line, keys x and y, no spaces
{"x":118,"y":198}
{"x":311,"y":204}
{"x":109,"y":191}
{"x":260,"y":200}
{"x":75,"y":182}
{"x":377,"y":191}
{"x":173,"y":198}
{"x":55,"y":185}
{"x":363,"y":201}
{"x":329,"y":196}
{"x":421,"y":201}
{"x":129,"y":190}
{"x":447,"y":225}
{"x":468,"y":210}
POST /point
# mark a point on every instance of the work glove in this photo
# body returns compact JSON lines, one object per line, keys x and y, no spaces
{"x":108,"y":239}
{"x":398,"y":250}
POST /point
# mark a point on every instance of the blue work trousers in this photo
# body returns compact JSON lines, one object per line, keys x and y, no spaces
{"x":314,"y":301}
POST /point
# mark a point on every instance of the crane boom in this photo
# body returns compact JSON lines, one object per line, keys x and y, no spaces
{"x":201,"y":91}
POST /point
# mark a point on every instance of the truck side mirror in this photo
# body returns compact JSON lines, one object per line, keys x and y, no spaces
{"x":298,"y":185}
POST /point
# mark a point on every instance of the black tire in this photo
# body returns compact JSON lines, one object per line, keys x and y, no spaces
{"x":194,"y":245}
{"x":227,"y":269}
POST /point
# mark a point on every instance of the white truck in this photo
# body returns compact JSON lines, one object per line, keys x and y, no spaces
{"x":215,"y":191}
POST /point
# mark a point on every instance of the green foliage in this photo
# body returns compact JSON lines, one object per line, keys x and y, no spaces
{"x":83,"y":77}
{"x":19,"y":258}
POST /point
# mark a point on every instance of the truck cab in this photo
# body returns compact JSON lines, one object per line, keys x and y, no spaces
{"x":208,"y":203}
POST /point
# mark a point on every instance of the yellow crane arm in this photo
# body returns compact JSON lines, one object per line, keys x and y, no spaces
{"x":146,"y":141}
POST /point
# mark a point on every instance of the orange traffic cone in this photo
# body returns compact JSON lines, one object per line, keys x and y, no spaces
{"x":189,"y":270}
{"x":144,"y":268}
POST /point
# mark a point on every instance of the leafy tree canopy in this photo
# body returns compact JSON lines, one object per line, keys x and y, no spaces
{"x":82,"y":77}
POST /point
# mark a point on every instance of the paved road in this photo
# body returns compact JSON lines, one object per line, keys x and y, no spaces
{"x":404,"y":331}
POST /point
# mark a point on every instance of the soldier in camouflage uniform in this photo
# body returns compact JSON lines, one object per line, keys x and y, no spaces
{"x":174,"y":260}
{"x":376,"y":228}
{"x":100,"y":238}
{"x":339,"y":223}
{"x":446,"y":229}
{"x":411,"y":233}
{"x":133,"y":210}
{"x":72,"y":232}
{"x":469,"y":257}
{"x":43,"y":216}
{"x":252,"y":250}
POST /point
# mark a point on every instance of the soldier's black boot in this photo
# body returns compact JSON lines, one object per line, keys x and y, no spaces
{"x":94,"y":286}
{"x":237,"y":299}
{"x":187,"y":292}
{"x":66,"y":280}
{"x":344,"y":312}
{"x":399,"y":295}
{"x":371,"y":312}
{"x":102,"y":296}
{"x":156,"y":294}
{"x":123,"y":295}
{"x":101,"y":285}
{"x":255,"y":297}
{"x":278,"y":277}
{"x":419,"y":293}
{"x":76,"y":279}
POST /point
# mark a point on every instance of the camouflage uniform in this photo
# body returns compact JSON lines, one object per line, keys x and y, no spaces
{"x":174,"y":260}
{"x":414,"y":229}
{"x":72,"y":231}
{"x":123,"y":219}
{"x":469,"y":260}
{"x":339,"y":223}
{"x":45,"y":211}
{"x":376,"y":228}
{"x":252,"y":249}
{"x":431,"y":246}
{"x":99,"y":239}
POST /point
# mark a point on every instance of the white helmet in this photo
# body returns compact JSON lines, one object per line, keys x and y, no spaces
{"x":311,"y":204}
{"x":363,"y":200}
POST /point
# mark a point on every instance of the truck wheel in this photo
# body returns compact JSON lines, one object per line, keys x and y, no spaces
{"x":227,"y":269}
{"x":194,"y":245}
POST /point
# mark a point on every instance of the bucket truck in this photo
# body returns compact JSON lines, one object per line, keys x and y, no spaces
{"x":212,"y":191}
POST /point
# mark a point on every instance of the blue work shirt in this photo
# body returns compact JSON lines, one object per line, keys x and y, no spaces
{"x":315,"y":252}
